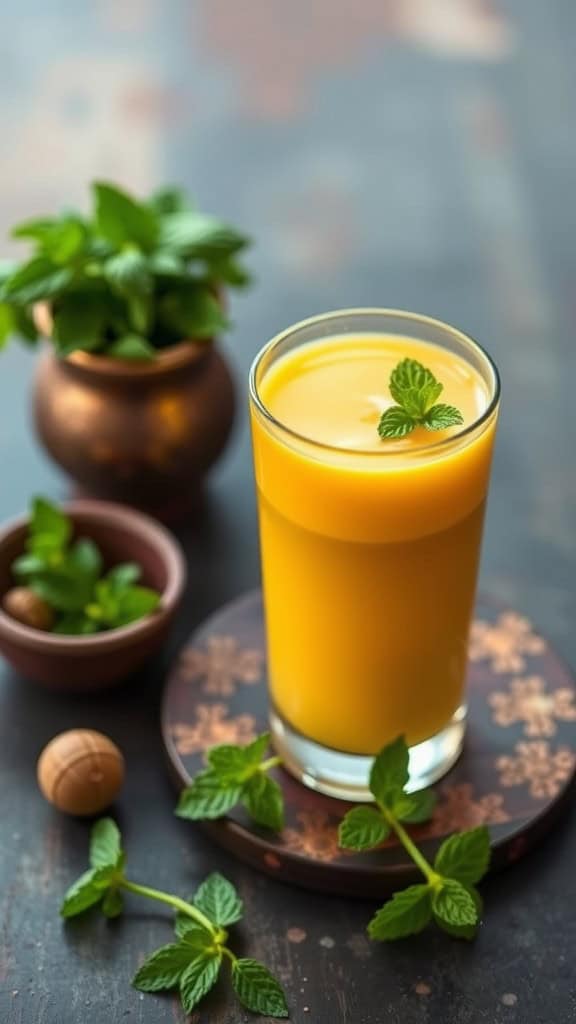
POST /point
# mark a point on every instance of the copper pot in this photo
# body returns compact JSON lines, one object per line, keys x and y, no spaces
{"x":141,"y":433}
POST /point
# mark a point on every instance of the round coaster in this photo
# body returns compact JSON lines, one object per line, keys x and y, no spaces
{"x":513,"y":776}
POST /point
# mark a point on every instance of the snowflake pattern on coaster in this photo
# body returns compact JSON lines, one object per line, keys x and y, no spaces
{"x":534,"y":765}
{"x":212,"y":727}
{"x":316,"y":835}
{"x":528,"y":701}
{"x":505,"y":643}
{"x":220,"y":665}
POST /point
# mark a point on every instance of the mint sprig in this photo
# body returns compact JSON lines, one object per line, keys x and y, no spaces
{"x":67,"y":575}
{"x":193,"y":963}
{"x":236,"y":774}
{"x":132,"y":277}
{"x":448,"y":895}
{"x":415,"y":390}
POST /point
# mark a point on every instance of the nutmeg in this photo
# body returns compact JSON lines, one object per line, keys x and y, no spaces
{"x":80,"y":771}
{"x":26,"y":607}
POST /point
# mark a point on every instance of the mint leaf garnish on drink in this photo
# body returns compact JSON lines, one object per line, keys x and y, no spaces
{"x":194,"y":961}
{"x":448,"y":895}
{"x":236,"y":774}
{"x":415,"y":390}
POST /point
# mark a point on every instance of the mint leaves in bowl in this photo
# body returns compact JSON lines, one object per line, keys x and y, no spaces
{"x":87,"y":591}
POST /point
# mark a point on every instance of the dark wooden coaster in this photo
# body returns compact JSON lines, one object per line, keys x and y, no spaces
{"x":514,"y":774}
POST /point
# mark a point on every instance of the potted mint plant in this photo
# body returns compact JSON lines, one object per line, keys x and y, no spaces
{"x":133,"y":398}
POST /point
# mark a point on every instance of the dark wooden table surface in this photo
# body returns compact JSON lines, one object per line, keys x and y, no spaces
{"x":414,"y":153}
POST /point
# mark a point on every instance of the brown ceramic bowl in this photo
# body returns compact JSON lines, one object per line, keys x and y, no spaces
{"x":81,"y":663}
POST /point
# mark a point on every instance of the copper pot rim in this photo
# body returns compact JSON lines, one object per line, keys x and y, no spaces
{"x":182,"y":354}
{"x":113,"y":515}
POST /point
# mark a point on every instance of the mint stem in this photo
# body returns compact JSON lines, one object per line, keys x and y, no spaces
{"x":228,"y":952}
{"x":427,"y":870}
{"x":272,"y":762}
{"x":172,"y":901}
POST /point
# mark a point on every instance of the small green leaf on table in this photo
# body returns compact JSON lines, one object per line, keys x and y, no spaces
{"x":407,"y":913}
{"x":219,"y":900}
{"x":257,"y":989}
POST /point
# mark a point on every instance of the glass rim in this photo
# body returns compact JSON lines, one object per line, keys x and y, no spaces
{"x":341,"y":314}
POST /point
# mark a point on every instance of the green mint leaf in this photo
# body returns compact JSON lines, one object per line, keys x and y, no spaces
{"x":60,"y":239}
{"x":192,"y":311}
{"x":196,"y":234}
{"x":63,"y":589}
{"x":86,"y":891}
{"x":234,"y":763}
{"x":257,"y":989}
{"x":465,"y":856}
{"x":228,"y":270}
{"x":35,"y":228}
{"x":464,"y":931}
{"x":439,"y":417}
{"x":164,"y":263}
{"x":36,"y":280}
{"x":407,"y":913}
{"x":140,"y":314}
{"x":7,"y":324}
{"x":389,"y":772}
{"x":207,"y":797}
{"x":163,"y":969}
{"x":119,"y":218}
{"x":24,"y":325}
{"x":132,"y":347}
{"x":79,"y":321}
{"x":413,"y":386}
{"x":104,"y":607}
{"x":191,"y":932}
{"x":105,"y":844}
{"x":169,"y":200}
{"x":262,"y":798}
{"x":452,"y":904}
{"x":86,"y":558}
{"x":198,"y":978}
{"x":128,"y":272}
{"x":229,"y":762}
{"x":134,"y":603}
{"x":124,"y":575}
{"x":395,"y":422}
{"x":219,"y":900}
{"x":113,"y":903}
{"x":28,"y":565}
{"x":49,"y":522}
{"x":255,"y":751}
{"x":414,"y":808}
{"x":363,"y":828}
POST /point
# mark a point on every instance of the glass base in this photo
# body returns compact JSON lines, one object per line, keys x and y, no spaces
{"x":345,"y":776}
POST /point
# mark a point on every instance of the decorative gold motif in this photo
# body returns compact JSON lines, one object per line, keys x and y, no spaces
{"x":317,"y":837}
{"x":527,"y":701}
{"x":504,"y":643}
{"x":536,"y":766}
{"x":221,"y":665}
{"x":457,"y":810}
{"x":212,"y":727}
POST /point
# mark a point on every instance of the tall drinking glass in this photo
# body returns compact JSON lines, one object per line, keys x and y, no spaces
{"x":370,"y":547}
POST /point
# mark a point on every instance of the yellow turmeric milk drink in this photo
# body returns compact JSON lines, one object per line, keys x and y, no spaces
{"x":370,"y":547}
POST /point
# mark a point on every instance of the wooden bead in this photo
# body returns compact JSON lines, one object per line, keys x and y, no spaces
{"x":80,"y":771}
{"x":26,"y":607}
